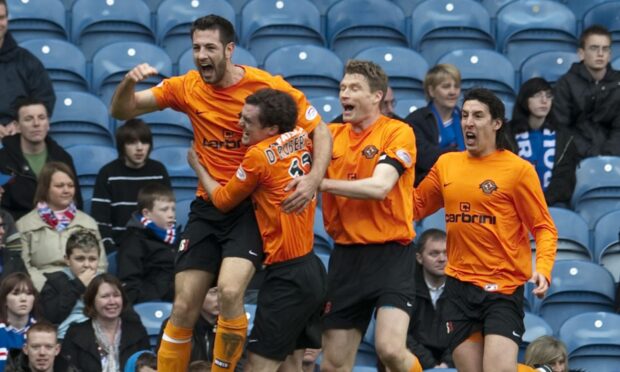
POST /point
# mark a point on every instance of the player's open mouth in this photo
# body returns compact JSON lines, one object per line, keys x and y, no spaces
{"x":347,"y":108}
{"x":470,"y":138}
{"x":206,"y":68}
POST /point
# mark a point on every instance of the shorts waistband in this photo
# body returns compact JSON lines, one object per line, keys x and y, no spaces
{"x":292,"y":261}
{"x":373,"y":245}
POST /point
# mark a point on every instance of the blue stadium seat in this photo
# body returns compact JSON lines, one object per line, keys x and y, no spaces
{"x":183,"y":208}
{"x":354,"y":25}
{"x":152,"y":315}
{"x":80,"y":119}
{"x":535,"y":327}
{"x":250,"y":312}
{"x":66,"y":73}
{"x":323,"y":5}
{"x":182,"y":176}
{"x":580,"y":7}
{"x":240,"y":56}
{"x":408,"y":5}
{"x":615,"y":64}
{"x":436,"y":220}
{"x":153,"y":4}
{"x":484,"y":68}
{"x":328,"y":107}
{"x":606,"y":14}
{"x":528,"y":27}
{"x":573,"y":235}
{"x":493,"y":6}
{"x":68,"y":4}
{"x":113,"y":61}
{"x":112,"y":263}
{"x":597,"y":190}
{"x":607,"y":244}
{"x":405,"y":68}
{"x":323,"y":243}
{"x":593,"y":341}
{"x":97,"y":23}
{"x":405,"y":107}
{"x":174,"y":21}
{"x":576,"y":287}
{"x":88,"y":161}
{"x":269,"y":25}
{"x":366,"y":353}
{"x":37,"y":19}
{"x":169,"y":128}
{"x":441,"y":26}
{"x":547,"y":65}
{"x":315,"y":70}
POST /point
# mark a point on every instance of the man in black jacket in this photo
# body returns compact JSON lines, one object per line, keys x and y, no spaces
{"x":21,"y":75}
{"x":586,"y":101}
{"x":24,"y":154}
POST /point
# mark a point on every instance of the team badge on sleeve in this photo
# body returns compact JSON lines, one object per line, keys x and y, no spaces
{"x":241,"y":174}
{"x":311,"y":113}
{"x":404,"y":156}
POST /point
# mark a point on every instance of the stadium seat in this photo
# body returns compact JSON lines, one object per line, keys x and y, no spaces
{"x":174,"y":21}
{"x":112,"y":263}
{"x":250,"y":312}
{"x":436,"y":220}
{"x":88,"y":161}
{"x":68,"y":4}
{"x":315,"y":70}
{"x":606,"y":14}
{"x":354,"y":25}
{"x":528,"y":27}
{"x":328,"y":107}
{"x":593,"y":341}
{"x":113,"y":61}
{"x":493,"y":6}
{"x":486,"y":69}
{"x":597,"y":190}
{"x":169,"y":128}
{"x":405,"y":68}
{"x":152,"y":315}
{"x":37,"y":19}
{"x":183,"y":208}
{"x":580,"y":8}
{"x":240,"y":56}
{"x":615,"y":64}
{"x":408,"y":6}
{"x":324,"y":5}
{"x":80,"y":119}
{"x":269,"y":25}
{"x":323,"y":243}
{"x":153,"y":4}
{"x":607,"y":244}
{"x":66,"y":73}
{"x":573,"y":235}
{"x":547,"y":65}
{"x":441,"y":26}
{"x":535,"y":327}
{"x":97,"y":23}
{"x":366,"y":353}
{"x":182,"y":176}
{"x":576,"y":287}
{"x":405,"y":107}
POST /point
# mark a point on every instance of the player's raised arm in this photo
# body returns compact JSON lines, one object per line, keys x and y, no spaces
{"x":126,"y":102}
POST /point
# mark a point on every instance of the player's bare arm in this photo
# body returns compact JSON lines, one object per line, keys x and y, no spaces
{"x":376,"y":187}
{"x":126,"y":102}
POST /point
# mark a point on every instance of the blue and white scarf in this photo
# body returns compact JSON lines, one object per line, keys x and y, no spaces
{"x":538,"y":147}
{"x":165,"y":235}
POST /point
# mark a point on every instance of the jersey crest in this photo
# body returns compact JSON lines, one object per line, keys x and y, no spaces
{"x":488,"y":186}
{"x":370,"y":151}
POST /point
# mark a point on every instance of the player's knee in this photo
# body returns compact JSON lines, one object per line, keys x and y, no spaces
{"x":391,"y":353}
{"x":230,"y":293}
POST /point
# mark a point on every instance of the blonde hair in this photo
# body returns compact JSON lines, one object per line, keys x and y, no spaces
{"x":437,"y":74}
{"x":546,"y":350}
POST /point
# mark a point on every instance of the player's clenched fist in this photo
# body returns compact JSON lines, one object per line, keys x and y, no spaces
{"x":141,"y":72}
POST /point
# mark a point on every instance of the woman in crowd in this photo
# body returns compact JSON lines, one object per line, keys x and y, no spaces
{"x":45,"y":230}
{"x":112,"y":333}
{"x":437,"y":126}
{"x":547,"y":351}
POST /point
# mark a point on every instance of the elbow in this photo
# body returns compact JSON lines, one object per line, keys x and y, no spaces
{"x":118,"y":114}
{"x":222,"y":207}
{"x":381,"y":193}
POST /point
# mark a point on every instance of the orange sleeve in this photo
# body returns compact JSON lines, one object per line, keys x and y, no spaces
{"x":427,"y":197}
{"x":169,"y":93}
{"x":401,"y":146}
{"x":532,"y":209}
{"x":242,"y":184}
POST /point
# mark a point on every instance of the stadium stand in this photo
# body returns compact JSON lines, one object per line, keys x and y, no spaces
{"x":112,"y":263}
{"x":323,"y":243}
{"x":182,"y":177}
{"x":37,"y":19}
{"x":183,"y":213}
{"x":607,"y":244}
{"x":328,"y":107}
{"x":535,"y":327}
{"x":169,"y":128}
{"x":152,"y":314}
{"x":549,"y":65}
{"x":405,"y":107}
{"x":580,"y":8}
{"x":240,"y":56}
{"x":606,"y":14}
{"x":573,"y":235}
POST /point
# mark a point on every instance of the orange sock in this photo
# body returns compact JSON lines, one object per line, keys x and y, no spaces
{"x":175,"y":349}
{"x":415,"y":366}
{"x":229,"y":343}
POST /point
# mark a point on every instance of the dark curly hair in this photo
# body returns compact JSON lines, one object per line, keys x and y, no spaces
{"x":521,"y":110}
{"x":275,"y":108}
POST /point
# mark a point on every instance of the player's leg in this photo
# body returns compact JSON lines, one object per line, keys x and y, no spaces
{"x":293,"y":362}
{"x":391,"y":338}
{"x":500,"y":354}
{"x":467,"y":355}
{"x":339,"y":349}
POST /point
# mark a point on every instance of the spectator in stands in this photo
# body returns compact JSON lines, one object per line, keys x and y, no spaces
{"x":387,"y":107}
{"x":24,"y":155}
{"x":427,"y":337}
{"x":585,"y":106}
{"x":199,"y":366}
{"x":111,"y":335}
{"x":437,"y":126}
{"x":118,"y":182}
{"x":21,"y":74}
{"x":147,"y":251}
{"x":19,"y":308}
{"x":549,"y":351}
{"x":533,"y":128}
{"x":45,"y":230}
{"x":141,"y":361}
{"x":309,"y":361}
{"x":61,"y":296}
{"x":10,"y":242}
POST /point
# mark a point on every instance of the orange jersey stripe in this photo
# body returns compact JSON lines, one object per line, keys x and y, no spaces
{"x":355,"y":156}
{"x":214,"y":114}
{"x":266,"y":169}
{"x":491,"y":204}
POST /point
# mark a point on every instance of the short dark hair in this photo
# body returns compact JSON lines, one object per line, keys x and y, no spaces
{"x":593,"y":30}
{"x":428,"y":235}
{"x":22,"y":101}
{"x":16,"y":280}
{"x":521,"y":109}
{"x":44,"y":180}
{"x":146,"y":359}
{"x":41,"y":326}
{"x":275,"y":108}
{"x":152,"y":192}
{"x":131,"y":131}
{"x":497,"y":111}
{"x":215,"y":22}
{"x":92,"y":289}
{"x":82,"y":239}
{"x":374,"y":74}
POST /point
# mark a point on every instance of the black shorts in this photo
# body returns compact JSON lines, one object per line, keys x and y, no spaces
{"x":469,"y":308}
{"x":288,"y":312}
{"x":212,"y":235}
{"x":364,"y":277}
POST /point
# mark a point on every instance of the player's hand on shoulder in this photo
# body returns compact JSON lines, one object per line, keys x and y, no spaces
{"x":141,"y":72}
